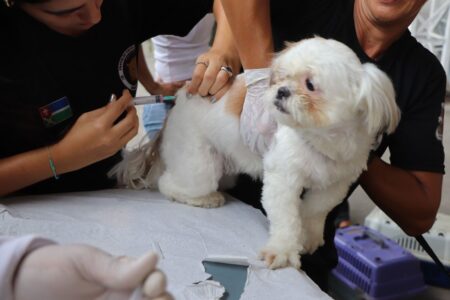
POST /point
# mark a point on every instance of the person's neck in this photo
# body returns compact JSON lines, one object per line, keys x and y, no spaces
{"x":374,"y":38}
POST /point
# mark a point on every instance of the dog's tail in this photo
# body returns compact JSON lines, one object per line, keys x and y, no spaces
{"x":140,"y":168}
{"x":377,"y":95}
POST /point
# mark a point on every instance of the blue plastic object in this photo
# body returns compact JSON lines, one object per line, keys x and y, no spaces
{"x":232,"y":277}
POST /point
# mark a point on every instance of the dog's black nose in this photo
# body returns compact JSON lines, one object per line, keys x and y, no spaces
{"x":282,"y":93}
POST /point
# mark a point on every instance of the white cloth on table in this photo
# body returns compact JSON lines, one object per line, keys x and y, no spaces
{"x":131,"y":222}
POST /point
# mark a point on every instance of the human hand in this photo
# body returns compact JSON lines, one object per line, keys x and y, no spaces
{"x":84,"y":272}
{"x":209,"y":77}
{"x":257,"y":125}
{"x":97,"y":135}
{"x":166,"y":89}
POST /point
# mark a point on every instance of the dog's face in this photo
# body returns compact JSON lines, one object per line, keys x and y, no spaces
{"x":318,"y":83}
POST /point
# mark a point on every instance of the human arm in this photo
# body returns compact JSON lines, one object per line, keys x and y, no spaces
{"x":411,"y":198}
{"x":250,"y":23}
{"x":94,"y":137}
{"x":146,"y":79}
{"x":37,"y":268}
{"x":251,"y":27}
{"x":207,"y":78}
{"x":409,"y":188}
{"x":243,"y":28}
{"x":243,"y":35}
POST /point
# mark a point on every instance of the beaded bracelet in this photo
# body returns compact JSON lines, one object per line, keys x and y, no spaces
{"x":52,"y":163}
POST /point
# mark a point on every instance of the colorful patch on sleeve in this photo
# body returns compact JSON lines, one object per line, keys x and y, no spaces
{"x":56,"y":112}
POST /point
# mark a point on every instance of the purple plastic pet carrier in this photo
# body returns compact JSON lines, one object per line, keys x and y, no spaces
{"x":370,"y":262}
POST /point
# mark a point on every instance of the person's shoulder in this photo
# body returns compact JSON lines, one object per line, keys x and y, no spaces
{"x":419,"y":75}
{"x":418,"y":56}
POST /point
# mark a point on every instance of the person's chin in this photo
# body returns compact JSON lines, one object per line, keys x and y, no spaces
{"x":389,"y":2}
{"x":75,"y":32}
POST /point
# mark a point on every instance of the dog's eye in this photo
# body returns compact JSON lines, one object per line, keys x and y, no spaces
{"x":309,"y":85}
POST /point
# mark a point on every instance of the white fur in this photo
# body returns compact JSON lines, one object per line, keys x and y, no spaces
{"x":201,"y":144}
{"x":322,"y":143}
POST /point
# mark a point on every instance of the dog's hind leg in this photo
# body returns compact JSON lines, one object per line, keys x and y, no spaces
{"x":192,"y":175}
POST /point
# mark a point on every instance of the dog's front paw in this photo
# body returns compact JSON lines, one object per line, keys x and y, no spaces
{"x":280,"y":257}
{"x":215,"y":199}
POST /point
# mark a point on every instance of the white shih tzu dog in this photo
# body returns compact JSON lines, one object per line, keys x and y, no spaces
{"x":329,"y":109}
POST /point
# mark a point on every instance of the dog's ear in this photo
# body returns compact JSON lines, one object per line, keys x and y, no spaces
{"x":377,"y":101}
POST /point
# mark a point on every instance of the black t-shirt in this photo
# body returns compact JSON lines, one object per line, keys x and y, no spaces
{"x":418,"y":78}
{"x":39,"y":66}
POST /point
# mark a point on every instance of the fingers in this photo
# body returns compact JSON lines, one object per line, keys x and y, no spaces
{"x":209,"y":78}
{"x":210,"y":75}
{"x":128,"y":136}
{"x":197,"y":75}
{"x":128,"y":127}
{"x":222,"y":91}
{"x":116,"y":108}
{"x":173,"y":87}
{"x":221,"y":80}
{"x":155,"y":285}
{"x":104,"y":131}
{"x":168,"y":89}
{"x":121,"y":273}
{"x":179,"y":84}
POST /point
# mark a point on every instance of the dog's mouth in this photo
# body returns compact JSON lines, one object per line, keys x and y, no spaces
{"x":279,"y":105}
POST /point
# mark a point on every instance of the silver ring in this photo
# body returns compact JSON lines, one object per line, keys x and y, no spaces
{"x":228,"y":70}
{"x":202,"y":63}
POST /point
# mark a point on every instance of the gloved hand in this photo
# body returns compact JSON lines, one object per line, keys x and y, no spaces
{"x":257,"y":125}
{"x":86,"y":273}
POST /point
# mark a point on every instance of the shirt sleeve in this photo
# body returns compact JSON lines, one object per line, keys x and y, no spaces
{"x":12,"y":251}
{"x":417,"y":142}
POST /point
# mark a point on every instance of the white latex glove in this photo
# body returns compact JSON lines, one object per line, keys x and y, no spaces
{"x":83,"y":272}
{"x":257,"y":125}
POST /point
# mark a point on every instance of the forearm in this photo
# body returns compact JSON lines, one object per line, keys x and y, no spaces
{"x":25,"y":169}
{"x":251,"y":27}
{"x":223,"y":40}
{"x":410,"y":200}
{"x":22,"y":170}
{"x":95,"y":136}
{"x":144,"y":75}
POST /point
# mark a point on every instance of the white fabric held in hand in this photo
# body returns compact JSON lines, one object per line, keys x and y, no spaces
{"x":257,"y":125}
